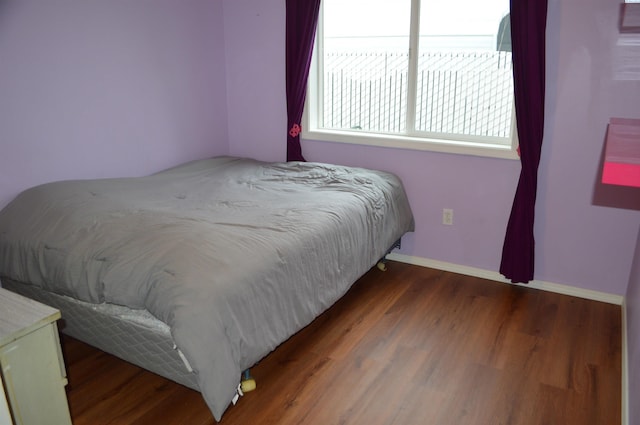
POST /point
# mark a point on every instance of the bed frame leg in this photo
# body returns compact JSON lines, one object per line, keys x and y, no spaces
{"x":382,"y":263}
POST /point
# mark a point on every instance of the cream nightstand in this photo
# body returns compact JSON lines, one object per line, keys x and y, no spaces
{"x":33,"y":371}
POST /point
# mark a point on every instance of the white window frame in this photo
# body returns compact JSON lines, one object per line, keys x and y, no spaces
{"x":456,"y":144}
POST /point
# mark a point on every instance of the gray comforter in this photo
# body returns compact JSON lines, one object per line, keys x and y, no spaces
{"x":235,"y":255}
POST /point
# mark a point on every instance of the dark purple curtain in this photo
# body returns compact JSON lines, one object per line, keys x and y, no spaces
{"x":528,"y":27}
{"x":302,"y":19}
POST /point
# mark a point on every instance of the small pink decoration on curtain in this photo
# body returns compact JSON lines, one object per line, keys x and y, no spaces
{"x":295,"y":130}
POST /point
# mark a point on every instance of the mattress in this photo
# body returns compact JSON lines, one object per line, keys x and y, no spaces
{"x":233,"y":255}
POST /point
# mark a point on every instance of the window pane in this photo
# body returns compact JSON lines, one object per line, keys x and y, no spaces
{"x":464,"y":79}
{"x":365,"y":64}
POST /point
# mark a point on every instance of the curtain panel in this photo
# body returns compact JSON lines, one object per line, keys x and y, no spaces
{"x":301,"y":22}
{"x":528,"y":33}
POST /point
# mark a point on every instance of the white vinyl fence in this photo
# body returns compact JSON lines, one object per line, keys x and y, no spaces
{"x":466,"y":93}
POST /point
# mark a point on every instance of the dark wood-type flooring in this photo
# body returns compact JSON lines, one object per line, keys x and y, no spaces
{"x":408,"y":346}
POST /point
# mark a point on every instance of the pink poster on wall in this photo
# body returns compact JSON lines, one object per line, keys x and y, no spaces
{"x":622,"y":153}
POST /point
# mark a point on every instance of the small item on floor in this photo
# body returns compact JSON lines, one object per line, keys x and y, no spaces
{"x":248,"y":383}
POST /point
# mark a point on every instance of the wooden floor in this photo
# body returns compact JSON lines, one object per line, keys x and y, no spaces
{"x":407,"y":346}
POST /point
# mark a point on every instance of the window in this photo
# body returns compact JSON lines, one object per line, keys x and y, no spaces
{"x":454,"y":95}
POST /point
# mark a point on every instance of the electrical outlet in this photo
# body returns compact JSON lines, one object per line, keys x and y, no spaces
{"x":447,"y":216}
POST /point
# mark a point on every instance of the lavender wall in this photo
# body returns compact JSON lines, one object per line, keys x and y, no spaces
{"x":633,"y":337}
{"x":108,"y":88}
{"x":578,"y":244}
{"x":255,"y":39}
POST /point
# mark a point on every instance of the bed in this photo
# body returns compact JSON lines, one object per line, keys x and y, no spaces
{"x":199,"y":271}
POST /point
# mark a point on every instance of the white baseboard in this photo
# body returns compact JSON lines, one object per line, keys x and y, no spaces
{"x":491,"y":275}
{"x":625,"y":367}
